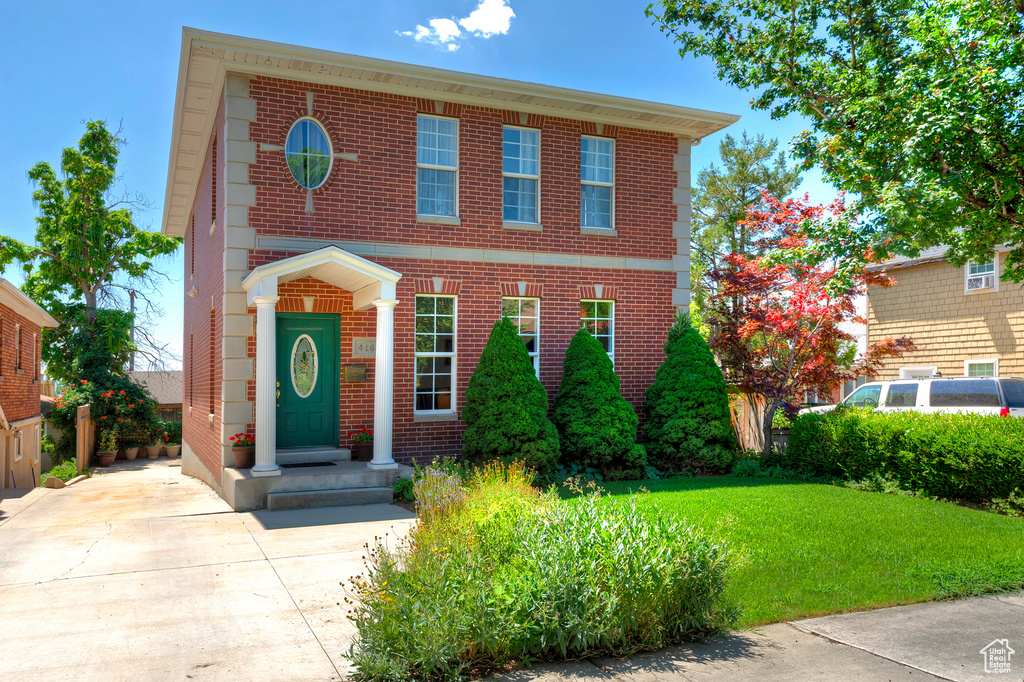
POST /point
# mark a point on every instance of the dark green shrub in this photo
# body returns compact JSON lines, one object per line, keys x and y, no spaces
{"x":596,"y":426}
{"x":506,"y":411}
{"x":958,"y":456}
{"x":688,"y":420}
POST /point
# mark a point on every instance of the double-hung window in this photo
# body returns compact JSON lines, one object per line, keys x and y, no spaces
{"x":597,"y":182}
{"x":435,"y":353}
{"x":520,"y":169}
{"x":524,"y":313}
{"x":437,"y":165}
{"x":598,"y":318}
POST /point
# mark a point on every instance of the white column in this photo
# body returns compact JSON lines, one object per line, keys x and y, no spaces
{"x":266,"y":387}
{"x":384,"y":385}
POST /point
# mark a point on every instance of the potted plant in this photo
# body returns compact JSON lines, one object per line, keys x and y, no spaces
{"x":243,"y":447}
{"x":170,"y":447}
{"x":108,"y":448}
{"x":154,"y":448}
{"x":131,"y":450}
{"x":362,"y":451}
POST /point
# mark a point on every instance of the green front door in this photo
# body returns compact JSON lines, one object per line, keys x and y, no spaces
{"x":307,"y":379}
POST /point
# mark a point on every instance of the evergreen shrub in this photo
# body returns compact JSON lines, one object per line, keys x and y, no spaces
{"x":596,"y":426}
{"x":687,"y":408}
{"x":506,"y":410}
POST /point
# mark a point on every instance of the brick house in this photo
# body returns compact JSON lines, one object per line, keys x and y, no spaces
{"x":354,"y":227}
{"x":964,"y":320}
{"x":21,"y":325}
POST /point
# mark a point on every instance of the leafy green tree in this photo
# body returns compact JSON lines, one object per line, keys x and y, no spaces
{"x":596,"y":426}
{"x":914,"y":107}
{"x":687,"y":408}
{"x":88,"y":254}
{"x":750,"y":167}
{"x":506,"y":411}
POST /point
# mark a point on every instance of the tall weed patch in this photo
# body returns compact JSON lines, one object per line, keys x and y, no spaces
{"x":959,"y":456}
{"x":510,"y":575}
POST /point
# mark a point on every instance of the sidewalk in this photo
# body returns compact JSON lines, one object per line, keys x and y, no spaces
{"x":935,"y":641}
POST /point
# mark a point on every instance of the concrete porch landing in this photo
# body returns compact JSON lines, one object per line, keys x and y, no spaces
{"x":344,"y":483}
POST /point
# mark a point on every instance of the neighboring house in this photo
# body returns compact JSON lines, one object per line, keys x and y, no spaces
{"x":965,"y":320}
{"x":21,"y":325}
{"x":355,"y":227}
{"x":166,"y":388}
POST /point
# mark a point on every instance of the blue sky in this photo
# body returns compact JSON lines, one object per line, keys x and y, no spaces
{"x":68,"y":62}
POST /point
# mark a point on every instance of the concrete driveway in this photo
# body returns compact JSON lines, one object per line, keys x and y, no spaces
{"x":144,"y":574}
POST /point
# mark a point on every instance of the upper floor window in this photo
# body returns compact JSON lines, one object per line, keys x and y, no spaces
{"x":597,"y":182}
{"x":525,"y":315}
{"x":435,"y":353}
{"x":598,"y":318}
{"x":307,"y":149}
{"x":980,"y":277}
{"x":437,"y":165}
{"x":17,"y":348}
{"x":520,"y":168}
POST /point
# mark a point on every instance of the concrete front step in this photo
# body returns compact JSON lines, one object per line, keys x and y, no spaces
{"x":307,"y":455}
{"x":304,"y":499}
{"x":245,"y":492}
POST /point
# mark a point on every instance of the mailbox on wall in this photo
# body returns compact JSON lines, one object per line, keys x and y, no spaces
{"x":354,"y":373}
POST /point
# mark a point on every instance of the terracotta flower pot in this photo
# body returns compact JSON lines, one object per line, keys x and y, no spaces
{"x":105,"y":459}
{"x":153,"y":451}
{"x":131,"y":453}
{"x":362,"y":451}
{"x":245,"y":457}
{"x":172,"y":450}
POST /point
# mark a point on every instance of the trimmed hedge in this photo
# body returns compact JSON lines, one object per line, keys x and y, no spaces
{"x":959,"y":456}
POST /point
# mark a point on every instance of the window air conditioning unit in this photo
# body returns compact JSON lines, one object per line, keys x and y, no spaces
{"x":980,"y":282}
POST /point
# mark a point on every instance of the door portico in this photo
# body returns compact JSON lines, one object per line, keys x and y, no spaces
{"x":371,"y":285}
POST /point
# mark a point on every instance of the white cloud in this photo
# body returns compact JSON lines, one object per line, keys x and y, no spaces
{"x":490,"y":18}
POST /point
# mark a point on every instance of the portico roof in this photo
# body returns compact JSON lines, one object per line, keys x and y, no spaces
{"x":207,"y":57}
{"x":365,"y":279}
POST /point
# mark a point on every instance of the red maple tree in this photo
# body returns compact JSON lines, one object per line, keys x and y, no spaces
{"x":776,"y":318}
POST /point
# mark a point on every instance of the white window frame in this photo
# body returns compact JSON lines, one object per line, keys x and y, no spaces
{"x":453,"y":355}
{"x":994,"y":275}
{"x":906,"y":371}
{"x":17,"y":349}
{"x":611,"y":323}
{"x":330,"y":151}
{"x":521,"y":176}
{"x":17,"y":445}
{"x":454,"y":169}
{"x":594,"y":183}
{"x":534,"y":355}
{"x":982,"y":361}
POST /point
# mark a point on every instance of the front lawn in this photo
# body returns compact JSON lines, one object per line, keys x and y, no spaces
{"x":801,"y":550}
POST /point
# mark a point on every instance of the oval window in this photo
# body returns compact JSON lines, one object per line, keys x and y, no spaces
{"x":308,"y":153}
{"x":304,"y":366}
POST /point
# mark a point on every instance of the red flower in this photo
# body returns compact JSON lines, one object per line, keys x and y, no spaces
{"x":84,"y":381}
{"x":1005,"y":412}
{"x":232,"y":437}
{"x":122,"y":392}
{"x":103,"y":417}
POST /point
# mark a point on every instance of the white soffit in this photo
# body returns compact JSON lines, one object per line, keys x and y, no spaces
{"x":15,"y":299}
{"x":206,"y":57}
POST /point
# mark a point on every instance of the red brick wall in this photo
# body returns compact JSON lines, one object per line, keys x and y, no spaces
{"x":206,"y":274}
{"x":19,"y":392}
{"x":643,"y":314}
{"x":374,"y":198}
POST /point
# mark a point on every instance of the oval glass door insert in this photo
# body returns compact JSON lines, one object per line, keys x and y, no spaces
{"x":304,"y":366}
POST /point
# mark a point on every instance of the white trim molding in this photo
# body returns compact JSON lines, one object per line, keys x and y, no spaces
{"x":907,"y":370}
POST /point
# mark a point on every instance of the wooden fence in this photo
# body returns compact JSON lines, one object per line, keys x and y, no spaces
{"x":85,"y":437}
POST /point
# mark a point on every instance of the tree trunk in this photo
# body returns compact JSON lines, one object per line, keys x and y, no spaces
{"x":769,"y":416}
{"x":90,"y":305}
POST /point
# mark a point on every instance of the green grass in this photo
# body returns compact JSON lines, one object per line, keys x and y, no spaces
{"x":801,"y":550}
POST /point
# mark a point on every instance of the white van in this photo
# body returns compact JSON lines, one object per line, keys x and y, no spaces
{"x":983,"y":395}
